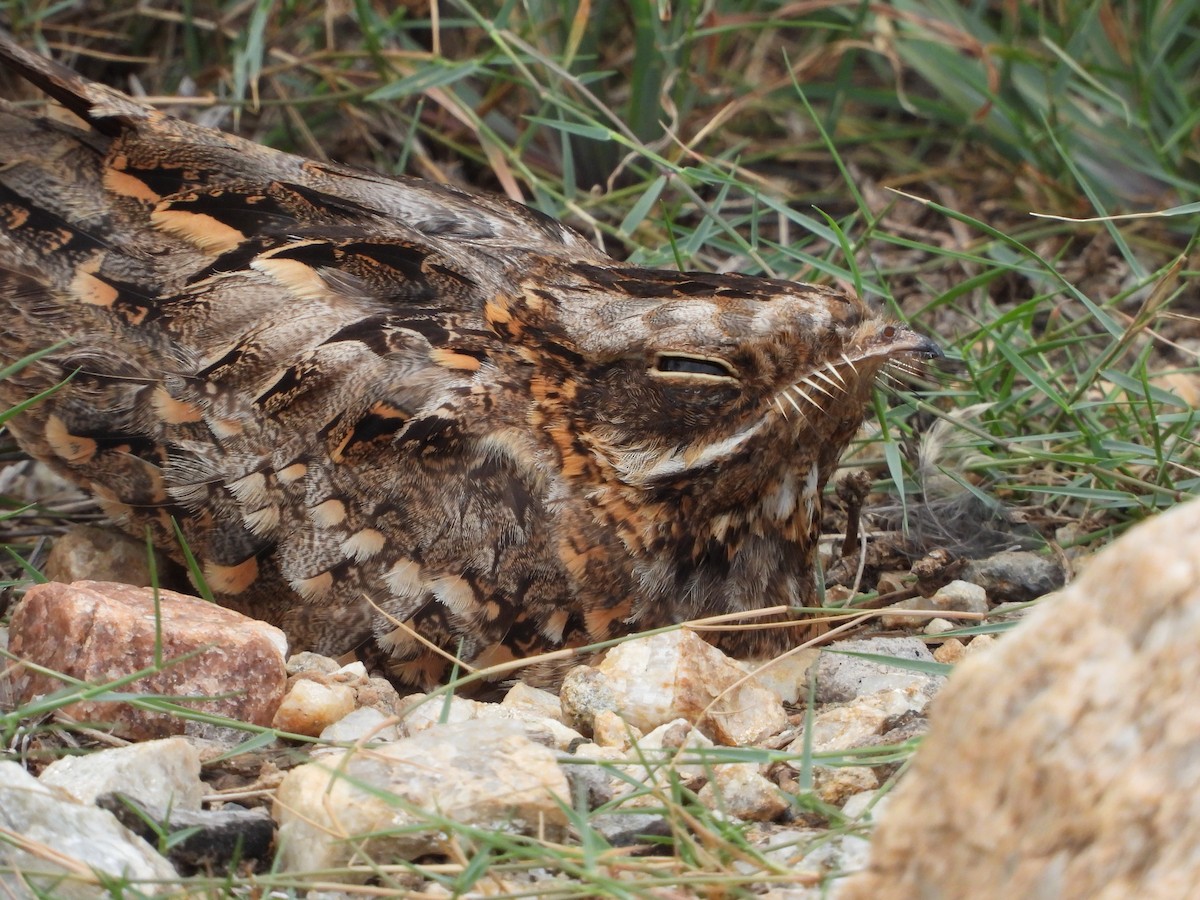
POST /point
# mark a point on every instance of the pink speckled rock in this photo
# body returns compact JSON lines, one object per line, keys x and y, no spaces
{"x":99,"y":632}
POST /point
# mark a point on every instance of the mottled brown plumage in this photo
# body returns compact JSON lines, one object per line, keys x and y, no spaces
{"x":345,"y":386}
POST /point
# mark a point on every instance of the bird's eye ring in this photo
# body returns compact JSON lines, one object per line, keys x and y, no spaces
{"x":682,"y":364}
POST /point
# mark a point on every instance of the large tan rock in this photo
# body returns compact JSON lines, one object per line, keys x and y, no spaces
{"x":1065,"y":762}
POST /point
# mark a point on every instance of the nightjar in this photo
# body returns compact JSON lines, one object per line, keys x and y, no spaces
{"x":381,"y":408}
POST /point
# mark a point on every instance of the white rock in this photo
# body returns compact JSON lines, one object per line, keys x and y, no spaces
{"x":78,"y":839}
{"x":676,"y":674}
{"x":157,"y":773}
{"x":953,"y":597}
{"x":786,"y":675}
{"x":676,"y":741}
{"x":845,"y":854}
{"x":865,"y":804}
{"x":363,"y":723}
{"x":420,"y":715}
{"x":855,"y":724}
{"x":486,"y":774}
{"x":308,"y":663}
{"x":741,"y":791}
{"x":673,"y":752}
{"x":521,"y":698}
{"x":309,"y":707}
{"x":352,"y":672}
{"x":841,"y":677}
{"x":843,"y":728}
{"x":939,"y":626}
{"x":811,"y":856}
{"x":959,"y":596}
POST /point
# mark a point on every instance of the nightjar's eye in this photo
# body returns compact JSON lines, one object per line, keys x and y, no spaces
{"x":679,"y":364}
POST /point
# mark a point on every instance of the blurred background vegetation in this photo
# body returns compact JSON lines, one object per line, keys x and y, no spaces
{"x":932,"y":155}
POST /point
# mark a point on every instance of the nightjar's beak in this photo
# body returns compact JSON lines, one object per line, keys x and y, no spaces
{"x":927,"y":349}
{"x":905,"y":340}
